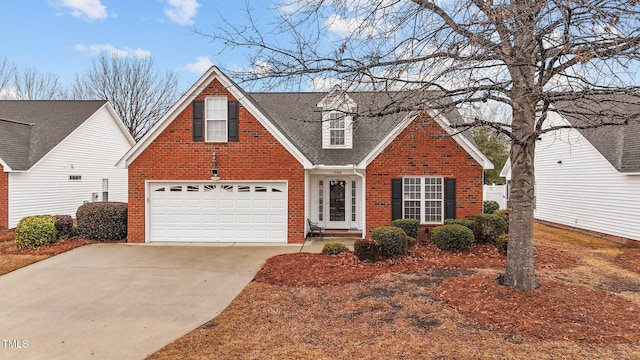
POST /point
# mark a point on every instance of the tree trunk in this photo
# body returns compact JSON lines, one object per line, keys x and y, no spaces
{"x":519,"y":273}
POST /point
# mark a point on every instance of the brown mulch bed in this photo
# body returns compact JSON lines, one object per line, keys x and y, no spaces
{"x":58,"y":247}
{"x":315,"y":270}
{"x":555,"y":311}
{"x":629,"y":259}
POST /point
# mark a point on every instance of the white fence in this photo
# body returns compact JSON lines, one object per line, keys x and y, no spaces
{"x":497,"y":193}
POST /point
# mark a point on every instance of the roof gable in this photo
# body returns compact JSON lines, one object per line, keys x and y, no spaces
{"x":30,"y":129}
{"x":212,"y":74}
{"x":619,"y":144}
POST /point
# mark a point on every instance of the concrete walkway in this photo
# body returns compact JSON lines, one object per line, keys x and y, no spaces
{"x":120,"y":301}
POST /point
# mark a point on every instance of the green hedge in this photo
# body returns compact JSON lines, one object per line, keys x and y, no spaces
{"x":393,"y":241}
{"x":488,"y":227}
{"x":463,"y":222}
{"x":454,"y":237}
{"x":334,"y":248}
{"x":410,"y":226}
{"x":489,"y":206}
{"x":34,"y":231}
{"x":367,"y":250}
{"x":102,"y":220}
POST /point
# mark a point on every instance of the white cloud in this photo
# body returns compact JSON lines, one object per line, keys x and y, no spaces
{"x":88,"y":10}
{"x":9,"y":94}
{"x":182,"y":11}
{"x":201,"y":65}
{"x":96,"y":49}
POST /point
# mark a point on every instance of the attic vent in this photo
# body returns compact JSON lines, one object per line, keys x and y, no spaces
{"x":75,"y":177}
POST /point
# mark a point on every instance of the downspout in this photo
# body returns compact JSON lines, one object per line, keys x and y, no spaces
{"x":363,"y":202}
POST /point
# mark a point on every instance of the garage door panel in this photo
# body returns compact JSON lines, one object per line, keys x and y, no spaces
{"x":218,"y":212}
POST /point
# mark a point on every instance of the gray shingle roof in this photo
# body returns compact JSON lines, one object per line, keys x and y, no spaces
{"x":298,"y":117}
{"x":29,"y":129}
{"x":619,"y":144}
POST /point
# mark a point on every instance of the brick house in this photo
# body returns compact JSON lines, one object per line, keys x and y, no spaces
{"x":224,"y":165}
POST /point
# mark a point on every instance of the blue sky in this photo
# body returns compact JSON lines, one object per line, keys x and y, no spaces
{"x":62,"y":36}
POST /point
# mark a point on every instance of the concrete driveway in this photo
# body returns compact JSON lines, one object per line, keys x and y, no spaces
{"x":120,"y":301}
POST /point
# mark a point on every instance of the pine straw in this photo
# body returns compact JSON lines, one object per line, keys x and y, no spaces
{"x":431,"y":305}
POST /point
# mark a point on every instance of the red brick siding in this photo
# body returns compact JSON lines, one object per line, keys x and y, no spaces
{"x":4,"y":199}
{"x":422,"y":149}
{"x":173,"y":155}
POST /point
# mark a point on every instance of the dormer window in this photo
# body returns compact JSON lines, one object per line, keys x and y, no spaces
{"x":337,"y":129}
{"x":337,"y":119}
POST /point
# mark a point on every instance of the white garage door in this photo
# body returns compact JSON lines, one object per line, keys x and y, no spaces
{"x":218,"y":212}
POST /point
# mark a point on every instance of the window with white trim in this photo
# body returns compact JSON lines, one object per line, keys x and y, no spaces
{"x":216,"y":118}
{"x":337,"y":128}
{"x":423,"y":199}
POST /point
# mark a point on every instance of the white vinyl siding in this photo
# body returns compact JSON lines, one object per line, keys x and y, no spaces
{"x":584,"y":190}
{"x":216,"y":119}
{"x":72,"y":172}
{"x":423,"y":199}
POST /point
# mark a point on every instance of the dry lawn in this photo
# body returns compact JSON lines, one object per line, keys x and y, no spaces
{"x":432,"y":305}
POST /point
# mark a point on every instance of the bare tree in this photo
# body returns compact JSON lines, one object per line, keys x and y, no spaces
{"x":6,"y":73}
{"x":528,"y":55}
{"x":138,"y":92}
{"x":30,"y":84}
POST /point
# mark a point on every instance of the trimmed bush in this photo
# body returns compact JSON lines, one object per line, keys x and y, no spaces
{"x":34,"y":231}
{"x":502,"y":243}
{"x":411,"y":241}
{"x":463,"y":222}
{"x":489,"y":206}
{"x":410,"y":226}
{"x":64,"y":225}
{"x":367,"y":250}
{"x":102,"y":220}
{"x":334,"y":248}
{"x":488,"y":227}
{"x":453,"y":237}
{"x":393,"y":241}
{"x":504,"y":213}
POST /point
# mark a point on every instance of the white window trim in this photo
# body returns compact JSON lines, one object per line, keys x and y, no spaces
{"x":422,"y":199}
{"x":346,"y":129}
{"x":207,"y":119}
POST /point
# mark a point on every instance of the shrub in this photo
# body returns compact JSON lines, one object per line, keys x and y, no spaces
{"x":102,"y":220}
{"x":504,"y":213}
{"x":489,"y":206}
{"x":411,"y":241}
{"x":502,"y":243}
{"x":393,"y":240}
{"x":488,"y":227}
{"x":34,"y":231}
{"x":463,"y":222}
{"x":367,"y":250}
{"x":64,"y":226}
{"x":410,"y":226}
{"x":453,"y":237}
{"x":333,"y":248}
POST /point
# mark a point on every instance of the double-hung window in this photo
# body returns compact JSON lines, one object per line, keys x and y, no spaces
{"x":423,"y":199}
{"x":337,"y":128}
{"x":216,"y":119}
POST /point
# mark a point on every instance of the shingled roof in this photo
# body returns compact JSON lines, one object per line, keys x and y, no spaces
{"x":29,"y":129}
{"x":619,"y":144}
{"x":297,"y":116}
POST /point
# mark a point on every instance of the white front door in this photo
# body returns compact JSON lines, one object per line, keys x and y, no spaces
{"x":339,"y":211}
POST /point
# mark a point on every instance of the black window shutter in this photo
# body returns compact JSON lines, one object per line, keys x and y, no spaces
{"x":396,"y":199}
{"x":449,"y":198}
{"x":198,"y":122}
{"x":232,"y":123}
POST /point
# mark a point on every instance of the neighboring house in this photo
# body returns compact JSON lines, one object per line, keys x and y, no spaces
{"x":224,"y":165}
{"x":589,"y":179}
{"x":56,"y":155}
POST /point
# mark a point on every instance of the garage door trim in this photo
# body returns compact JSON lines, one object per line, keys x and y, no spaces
{"x":254,"y":185}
